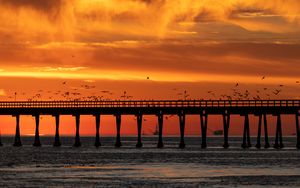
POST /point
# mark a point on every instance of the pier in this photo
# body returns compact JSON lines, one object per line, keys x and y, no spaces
{"x":159,"y":108}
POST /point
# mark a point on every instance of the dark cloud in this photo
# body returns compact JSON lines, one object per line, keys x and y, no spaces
{"x":223,"y":58}
{"x":51,"y":8}
{"x":43,"y":5}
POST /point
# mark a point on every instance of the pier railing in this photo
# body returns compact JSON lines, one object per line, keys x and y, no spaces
{"x":150,"y":103}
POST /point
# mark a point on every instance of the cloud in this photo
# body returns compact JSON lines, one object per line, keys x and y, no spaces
{"x":223,"y":57}
{"x":98,"y":20}
{"x":251,"y":37}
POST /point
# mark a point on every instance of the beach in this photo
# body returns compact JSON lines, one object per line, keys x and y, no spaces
{"x":127,"y":166}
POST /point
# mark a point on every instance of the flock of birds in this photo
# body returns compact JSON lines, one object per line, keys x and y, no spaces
{"x":88,"y":92}
{"x":240,"y":94}
{"x":74,"y":94}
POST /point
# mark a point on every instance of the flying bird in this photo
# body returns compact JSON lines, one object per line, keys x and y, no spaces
{"x":276,"y":92}
{"x":263,"y":77}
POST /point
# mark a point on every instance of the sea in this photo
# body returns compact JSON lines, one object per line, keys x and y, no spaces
{"x":107,"y":166}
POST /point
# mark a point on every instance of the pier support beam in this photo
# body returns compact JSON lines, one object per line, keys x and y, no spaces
{"x":57,"y":142}
{"x":246,"y":136}
{"x":226,"y":122}
{"x":267,"y":144}
{"x":203,"y":121}
{"x":77,"y":137}
{"x":258,"y":145}
{"x":37,"y":142}
{"x":298,"y":131}
{"x":139,"y":119}
{"x":97,"y":138}
{"x":262,"y":119}
{"x":278,"y":139}
{"x":17,"y":142}
{"x":118,"y":138}
{"x":160,"y":118}
{"x":181,"y":116}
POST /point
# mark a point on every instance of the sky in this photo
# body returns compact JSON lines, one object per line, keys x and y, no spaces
{"x":150,"y":49}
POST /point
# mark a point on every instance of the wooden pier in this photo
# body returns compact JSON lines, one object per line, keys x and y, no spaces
{"x":159,"y":108}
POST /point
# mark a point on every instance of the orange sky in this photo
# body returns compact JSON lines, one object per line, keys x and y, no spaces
{"x":114,"y":45}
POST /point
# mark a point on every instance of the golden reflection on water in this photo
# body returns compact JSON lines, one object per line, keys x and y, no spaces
{"x":181,"y":170}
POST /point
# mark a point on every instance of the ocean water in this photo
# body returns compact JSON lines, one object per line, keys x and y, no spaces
{"x":149,"y":166}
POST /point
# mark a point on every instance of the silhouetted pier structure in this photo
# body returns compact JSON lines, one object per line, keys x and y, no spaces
{"x":159,"y":108}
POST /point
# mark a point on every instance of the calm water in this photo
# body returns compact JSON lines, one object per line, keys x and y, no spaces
{"x":149,"y":167}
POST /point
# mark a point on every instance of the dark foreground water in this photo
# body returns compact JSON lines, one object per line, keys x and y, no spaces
{"x":148,"y":167}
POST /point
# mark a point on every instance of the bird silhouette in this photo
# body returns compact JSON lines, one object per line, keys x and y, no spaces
{"x":263,"y":77}
{"x":276,"y":92}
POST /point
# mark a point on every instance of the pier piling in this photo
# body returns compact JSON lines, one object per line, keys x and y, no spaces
{"x":181,"y":116}
{"x":258,"y":145}
{"x":278,"y":139}
{"x":97,"y":138}
{"x":262,"y":120}
{"x":226,"y":122}
{"x":77,"y":137}
{"x":17,"y":142}
{"x":118,"y":124}
{"x":37,"y":142}
{"x":267,"y":144}
{"x":246,"y":135}
{"x":57,"y":142}
{"x":160,"y":118}
{"x":203,"y":121}
{"x":139,"y":119}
